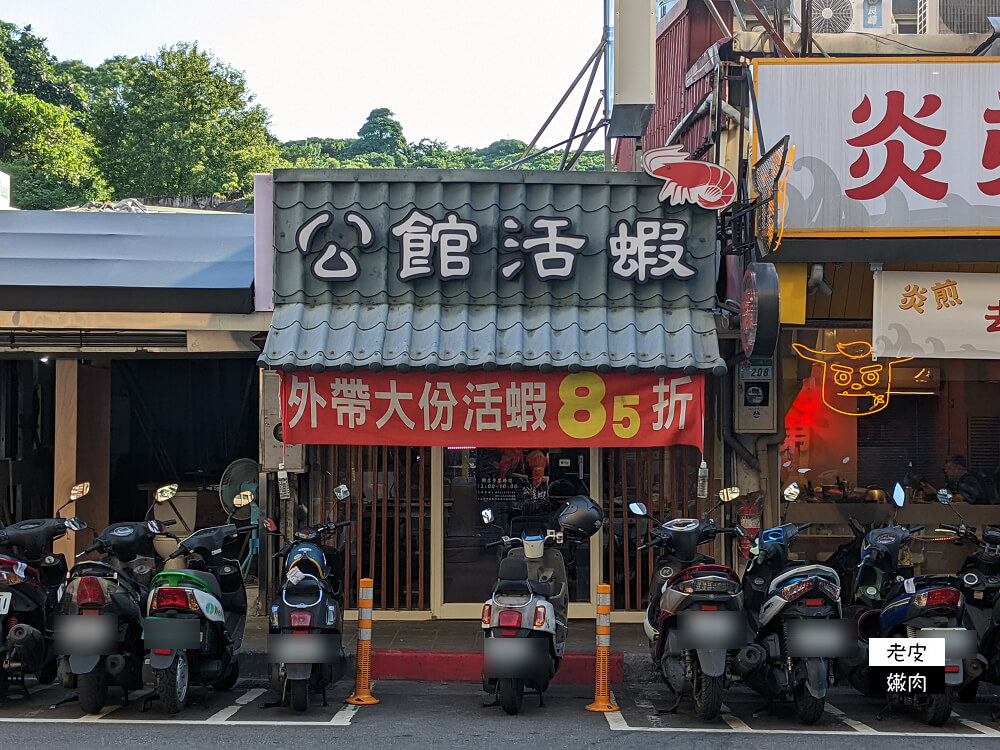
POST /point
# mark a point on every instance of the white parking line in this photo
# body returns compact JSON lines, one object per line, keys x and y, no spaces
{"x":229,"y":711}
{"x":617,"y":723}
{"x":734,"y":722}
{"x":98,"y":716}
{"x":854,"y":724}
{"x":976,"y":725}
{"x":343,"y":717}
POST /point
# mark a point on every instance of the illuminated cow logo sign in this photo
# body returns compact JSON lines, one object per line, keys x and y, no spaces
{"x":848,"y":381}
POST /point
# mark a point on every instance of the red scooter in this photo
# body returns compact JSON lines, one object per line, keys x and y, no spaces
{"x":695,"y":619}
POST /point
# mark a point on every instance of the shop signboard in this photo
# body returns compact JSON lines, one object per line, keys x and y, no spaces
{"x":897,"y":147}
{"x":936,"y":315}
{"x":499,"y":409}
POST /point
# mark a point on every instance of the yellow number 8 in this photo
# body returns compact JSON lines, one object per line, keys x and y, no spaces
{"x":589,"y":403}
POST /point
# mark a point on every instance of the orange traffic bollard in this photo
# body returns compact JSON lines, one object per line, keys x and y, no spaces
{"x":363,"y":681}
{"x":602,"y":670}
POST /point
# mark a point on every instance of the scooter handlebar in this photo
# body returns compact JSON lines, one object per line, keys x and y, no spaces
{"x":915,"y":529}
{"x":804,"y":526}
{"x":171,"y":522}
{"x":244,"y":529}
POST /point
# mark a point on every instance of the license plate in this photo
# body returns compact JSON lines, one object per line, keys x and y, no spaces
{"x":5,"y":598}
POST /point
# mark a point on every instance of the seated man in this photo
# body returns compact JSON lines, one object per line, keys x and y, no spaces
{"x":964,"y":486}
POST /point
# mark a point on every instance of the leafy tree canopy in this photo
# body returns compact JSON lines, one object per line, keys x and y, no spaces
{"x":29,"y":68}
{"x":178,"y":123}
{"x":49,"y":158}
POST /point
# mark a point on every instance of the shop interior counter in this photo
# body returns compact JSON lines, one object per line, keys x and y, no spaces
{"x":830,"y":529}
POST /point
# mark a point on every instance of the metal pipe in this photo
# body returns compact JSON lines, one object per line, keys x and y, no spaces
{"x":689,"y":118}
{"x":579,"y":111}
{"x":554,"y":112}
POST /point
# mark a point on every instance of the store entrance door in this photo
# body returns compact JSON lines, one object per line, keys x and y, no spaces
{"x":512,"y":483}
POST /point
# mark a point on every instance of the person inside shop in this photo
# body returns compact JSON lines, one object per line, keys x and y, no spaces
{"x":964,"y":486}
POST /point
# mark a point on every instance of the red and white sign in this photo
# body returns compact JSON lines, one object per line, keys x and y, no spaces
{"x":689,"y":181}
{"x":887,"y":147}
{"x":498,"y":409}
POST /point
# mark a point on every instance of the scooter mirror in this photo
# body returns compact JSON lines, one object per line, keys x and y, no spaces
{"x":243,"y":499}
{"x":165,"y":493}
{"x":76,"y":523}
{"x":638,"y":509}
{"x":270,"y":525}
{"x":729,"y":494}
{"x":944,"y":497}
{"x":341,"y":492}
{"x":791,"y":493}
{"x":899,"y":496}
{"x":79,"y":490}
{"x":487,"y":515}
{"x":155,"y":527}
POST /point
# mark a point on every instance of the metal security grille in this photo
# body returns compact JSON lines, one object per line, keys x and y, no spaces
{"x":766,"y":175}
{"x":890,"y":440}
{"x":390,"y":506}
{"x":666,"y":480}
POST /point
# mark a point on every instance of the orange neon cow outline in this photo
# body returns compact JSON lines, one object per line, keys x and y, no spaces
{"x":845,"y":383}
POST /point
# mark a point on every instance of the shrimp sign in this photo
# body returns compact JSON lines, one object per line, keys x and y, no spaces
{"x":686,"y":181}
{"x":499,"y":409}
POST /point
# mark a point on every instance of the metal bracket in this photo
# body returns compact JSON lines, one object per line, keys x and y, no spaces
{"x":875,"y":266}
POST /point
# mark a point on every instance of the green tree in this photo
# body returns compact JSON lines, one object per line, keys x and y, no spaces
{"x":430,"y":154}
{"x":381,"y":134}
{"x":51,"y":161}
{"x":178,"y":123}
{"x":307,"y":154}
{"x":35,"y":71}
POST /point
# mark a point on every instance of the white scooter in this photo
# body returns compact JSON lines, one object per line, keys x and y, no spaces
{"x":526,"y":618}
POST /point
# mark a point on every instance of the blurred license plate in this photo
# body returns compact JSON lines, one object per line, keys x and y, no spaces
{"x":85,"y":635}
{"x":712,"y":629}
{"x":302,"y":648}
{"x":4,"y":602}
{"x":817,"y":638}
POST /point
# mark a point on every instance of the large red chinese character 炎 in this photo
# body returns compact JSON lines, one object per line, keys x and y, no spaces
{"x":895,"y":167}
{"x":991,"y":154}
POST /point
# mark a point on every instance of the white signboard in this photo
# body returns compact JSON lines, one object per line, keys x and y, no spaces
{"x":886,"y":147}
{"x":939,"y":315}
{"x":4,"y":190}
{"x":913,"y":652}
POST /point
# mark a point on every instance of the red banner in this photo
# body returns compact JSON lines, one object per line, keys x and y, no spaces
{"x":492,"y":409}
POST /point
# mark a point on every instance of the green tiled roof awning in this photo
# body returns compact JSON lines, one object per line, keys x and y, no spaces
{"x":433,"y":336}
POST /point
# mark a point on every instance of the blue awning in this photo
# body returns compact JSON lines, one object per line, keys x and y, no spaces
{"x":54,"y":260}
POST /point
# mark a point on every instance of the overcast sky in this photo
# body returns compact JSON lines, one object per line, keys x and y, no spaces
{"x":467,"y":72}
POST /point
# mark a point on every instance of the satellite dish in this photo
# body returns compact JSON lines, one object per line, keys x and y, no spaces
{"x":239,"y":488}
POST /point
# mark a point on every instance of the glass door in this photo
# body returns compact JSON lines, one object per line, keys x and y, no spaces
{"x":512,"y":483}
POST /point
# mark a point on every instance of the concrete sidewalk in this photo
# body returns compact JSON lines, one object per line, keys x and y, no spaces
{"x":452,"y":650}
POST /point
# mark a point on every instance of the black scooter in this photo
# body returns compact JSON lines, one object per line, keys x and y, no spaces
{"x":305,"y":634}
{"x":31,"y":585}
{"x":99,"y":625}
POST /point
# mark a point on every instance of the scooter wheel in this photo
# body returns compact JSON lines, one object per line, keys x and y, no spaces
{"x":707,"y":695}
{"x":299,"y":690}
{"x":92,"y":689}
{"x":172,"y":684}
{"x":229,"y":679}
{"x":511,"y":695}
{"x":807,"y":708}
{"x":938,"y":708}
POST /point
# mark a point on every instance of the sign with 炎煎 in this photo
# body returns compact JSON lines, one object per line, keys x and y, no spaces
{"x":936,"y":315}
{"x":897,"y":146}
{"x":500,"y":409}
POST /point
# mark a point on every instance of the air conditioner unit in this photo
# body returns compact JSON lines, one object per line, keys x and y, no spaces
{"x":956,"y":16}
{"x":272,"y":451}
{"x":846,"y":16}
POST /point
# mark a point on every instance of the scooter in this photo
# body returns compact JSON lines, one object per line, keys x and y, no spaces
{"x":980,"y":585}
{"x":908,"y":606}
{"x":694,"y":621}
{"x":526,"y":618}
{"x":99,"y":626}
{"x":305,"y":636}
{"x":196,"y":616}
{"x":31,"y":584}
{"x":794,"y":610}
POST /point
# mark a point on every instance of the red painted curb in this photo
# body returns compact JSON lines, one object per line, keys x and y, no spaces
{"x":577,"y":667}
